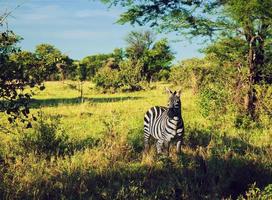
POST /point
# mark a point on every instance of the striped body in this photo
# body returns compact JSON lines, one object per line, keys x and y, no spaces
{"x":164,"y":127}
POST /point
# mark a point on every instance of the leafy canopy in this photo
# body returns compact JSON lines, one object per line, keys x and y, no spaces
{"x":200,"y":18}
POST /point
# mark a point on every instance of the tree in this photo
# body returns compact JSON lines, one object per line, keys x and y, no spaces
{"x":82,"y":76}
{"x":138,"y":43}
{"x":66,"y":67}
{"x":94,"y":62}
{"x":49,"y":56}
{"x":250,"y":20}
{"x":158,"y":58}
{"x":154,"y":56}
{"x":20,"y":73}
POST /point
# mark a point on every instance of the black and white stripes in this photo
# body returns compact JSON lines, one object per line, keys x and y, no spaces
{"x":165,"y":124}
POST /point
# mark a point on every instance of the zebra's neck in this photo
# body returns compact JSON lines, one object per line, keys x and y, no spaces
{"x":174,"y":113}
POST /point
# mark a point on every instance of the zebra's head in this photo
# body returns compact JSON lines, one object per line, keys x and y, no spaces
{"x":174,"y":99}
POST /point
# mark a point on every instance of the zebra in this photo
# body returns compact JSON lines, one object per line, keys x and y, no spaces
{"x":165,"y":124}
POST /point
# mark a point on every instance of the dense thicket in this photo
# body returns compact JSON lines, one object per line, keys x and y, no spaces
{"x":221,"y":81}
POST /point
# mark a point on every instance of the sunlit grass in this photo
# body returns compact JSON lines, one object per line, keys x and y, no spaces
{"x":107,"y":159}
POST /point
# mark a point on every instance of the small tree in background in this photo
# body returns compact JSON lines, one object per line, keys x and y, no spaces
{"x":82,"y":77}
{"x":154,"y":56}
{"x":66,"y":67}
{"x":93,"y":63}
{"x":130,"y":75}
{"x":49,"y":57}
{"x":158,"y":58}
{"x":143,"y":60}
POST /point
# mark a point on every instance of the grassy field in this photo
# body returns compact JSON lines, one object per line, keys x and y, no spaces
{"x":93,"y":150}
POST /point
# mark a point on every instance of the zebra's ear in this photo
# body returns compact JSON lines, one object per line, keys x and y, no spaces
{"x":168,"y":91}
{"x":179,"y":93}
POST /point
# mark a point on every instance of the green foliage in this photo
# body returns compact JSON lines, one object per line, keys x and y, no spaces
{"x":162,"y":75}
{"x":228,"y":50}
{"x":82,"y":72}
{"x":214,"y":102}
{"x":198,"y":18}
{"x":107,"y":79}
{"x":254,"y":193}
{"x":126,"y":78}
{"x":66,"y":68}
{"x":46,"y":138}
{"x":56,"y":65}
{"x":145,"y":60}
{"x":264,"y":105}
{"x":130,"y":75}
{"x":138,"y":44}
{"x":154,"y":56}
{"x":93,"y":63}
{"x":19,"y":71}
{"x":190,"y":73}
{"x":159,"y":57}
{"x":247,"y":23}
{"x":49,"y":55}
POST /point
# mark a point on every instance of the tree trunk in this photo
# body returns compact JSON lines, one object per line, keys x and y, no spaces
{"x":81,"y":91}
{"x":255,"y":61}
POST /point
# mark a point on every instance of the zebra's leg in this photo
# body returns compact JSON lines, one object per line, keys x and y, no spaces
{"x":159,"y":146}
{"x":179,"y":146}
{"x":146,"y":141}
{"x":167,"y":146}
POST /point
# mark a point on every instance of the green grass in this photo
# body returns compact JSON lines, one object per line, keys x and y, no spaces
{"x":101,"y":141}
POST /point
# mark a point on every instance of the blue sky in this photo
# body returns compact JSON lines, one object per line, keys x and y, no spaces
{"x":77,"y":27}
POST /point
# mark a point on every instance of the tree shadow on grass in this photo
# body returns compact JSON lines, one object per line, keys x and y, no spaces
{"x":192,"y":177}
{"x":36,"y":103}
{"x":204,"y":172}
{"x":213,"y":167}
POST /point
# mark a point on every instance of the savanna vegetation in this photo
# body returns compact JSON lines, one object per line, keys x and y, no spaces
{"x":73,"y":129}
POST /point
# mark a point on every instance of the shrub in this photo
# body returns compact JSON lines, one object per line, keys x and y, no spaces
{"x":264,"y":104}
{"x":107,"y":79}
{"x":125,"y":78}
{"x":46,"y":138}
{"x":162,"y":75}
{"x":49,"y":139}
{"x":130,"y":76}
{"x":254,"y":193}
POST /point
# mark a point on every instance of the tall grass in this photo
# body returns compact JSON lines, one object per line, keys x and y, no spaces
{"x":98,"y":151}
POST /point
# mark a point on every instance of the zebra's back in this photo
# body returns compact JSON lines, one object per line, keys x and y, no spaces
{"x":153,"y":121}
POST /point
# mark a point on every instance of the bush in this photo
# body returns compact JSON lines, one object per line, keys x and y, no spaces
{"x":46,"y":138}
{"x":124,"y":78}
{"x":162,"y":75}
{"x":108,"y":79}
{"x":254,"y":193}
{"x":191,"y":73}
{"x":264,"y":104}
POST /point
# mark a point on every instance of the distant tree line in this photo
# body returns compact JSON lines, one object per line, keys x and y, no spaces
{"x":22,"y":72}
{"x":143,"y":60}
